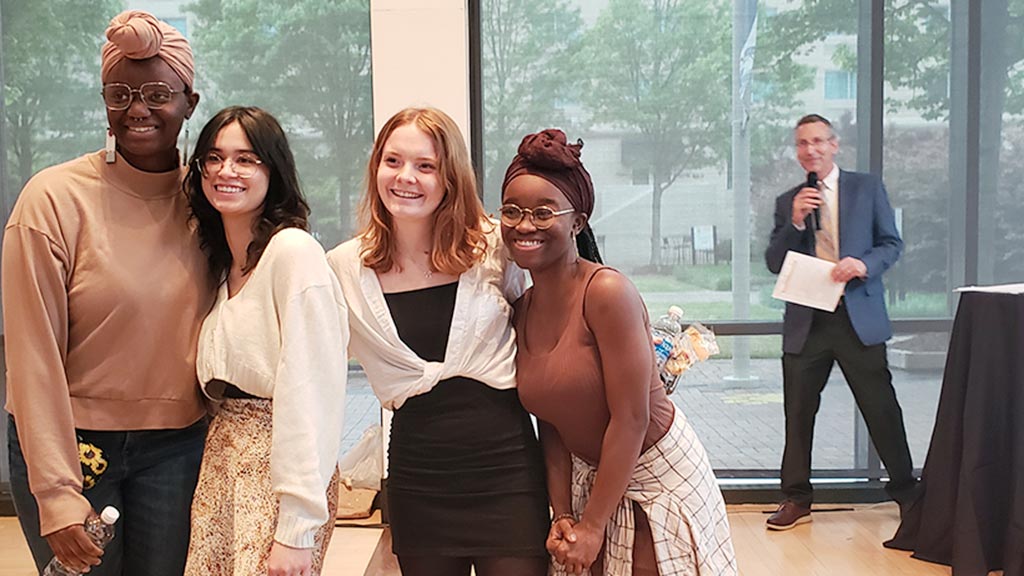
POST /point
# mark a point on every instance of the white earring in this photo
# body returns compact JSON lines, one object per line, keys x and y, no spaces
{"x":184,"y":155}
{"x":110,"y":147}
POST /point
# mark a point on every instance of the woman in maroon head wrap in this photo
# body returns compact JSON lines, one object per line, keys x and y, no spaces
{"x":104,"y":289}
{"x":630,"y":484}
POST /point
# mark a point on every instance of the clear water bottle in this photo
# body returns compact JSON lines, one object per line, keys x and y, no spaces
{"x":99,"y":528}
{"x":665,"y":333}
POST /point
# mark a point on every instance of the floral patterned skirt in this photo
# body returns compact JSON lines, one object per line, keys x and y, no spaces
{"x":234,"y":511}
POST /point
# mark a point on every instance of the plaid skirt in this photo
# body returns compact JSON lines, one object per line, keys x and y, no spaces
{"x":234,"y":510}
{"x":675,"y":486}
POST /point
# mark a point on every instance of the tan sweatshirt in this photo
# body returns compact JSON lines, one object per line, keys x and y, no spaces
{"x":104,"y":291}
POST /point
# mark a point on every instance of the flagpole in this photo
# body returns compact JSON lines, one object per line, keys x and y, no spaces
{"x":743,"y":43}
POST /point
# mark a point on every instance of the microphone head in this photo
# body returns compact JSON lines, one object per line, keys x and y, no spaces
{"x":812,"y":179}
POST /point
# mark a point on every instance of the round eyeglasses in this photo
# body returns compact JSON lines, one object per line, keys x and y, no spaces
{"x":244,"y":165}
{"x":155,"y":95}
{"x":541,"y":217}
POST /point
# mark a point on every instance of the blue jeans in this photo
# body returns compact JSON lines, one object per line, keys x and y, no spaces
{"x":150,"y":478}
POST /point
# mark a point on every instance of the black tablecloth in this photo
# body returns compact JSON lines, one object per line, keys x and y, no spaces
{"x":971,"y":511}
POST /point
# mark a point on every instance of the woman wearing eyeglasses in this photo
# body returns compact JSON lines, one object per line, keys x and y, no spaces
{"x":630,"y":484}
{"x":104,"y":290}
{"x":427,"y":285}
{"x":270,"y":356}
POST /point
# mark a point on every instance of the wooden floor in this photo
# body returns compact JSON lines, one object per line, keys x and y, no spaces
{"x":846,"y":542}
{"x":841,"y":543}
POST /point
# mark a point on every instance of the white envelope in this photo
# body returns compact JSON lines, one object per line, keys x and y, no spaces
{"x":807,"y":281}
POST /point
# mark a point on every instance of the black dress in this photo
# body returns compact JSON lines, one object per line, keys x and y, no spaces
{"x":466,"y":474}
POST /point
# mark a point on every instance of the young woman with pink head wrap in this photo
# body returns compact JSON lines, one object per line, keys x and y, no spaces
{"x":104,"y":290}
{"x":148,"y":73}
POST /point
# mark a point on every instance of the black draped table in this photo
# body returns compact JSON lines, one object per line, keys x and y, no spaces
{"x":970,"y":514}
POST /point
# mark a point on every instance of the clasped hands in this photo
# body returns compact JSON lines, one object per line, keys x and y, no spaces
{"x":575,"y":545}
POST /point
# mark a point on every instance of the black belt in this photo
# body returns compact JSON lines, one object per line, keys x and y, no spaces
{"x":229,"y":390}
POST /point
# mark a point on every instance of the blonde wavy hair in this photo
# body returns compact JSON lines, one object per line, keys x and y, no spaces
{"x":459,"y":240}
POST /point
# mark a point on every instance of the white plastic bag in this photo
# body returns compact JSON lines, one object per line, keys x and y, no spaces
{"x":363,"y":465}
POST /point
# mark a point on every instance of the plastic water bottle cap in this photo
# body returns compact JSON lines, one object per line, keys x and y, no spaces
{"x":109,"y":515}
{"x":675,"y":311}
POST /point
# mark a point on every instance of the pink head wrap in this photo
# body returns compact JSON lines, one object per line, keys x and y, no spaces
{"x":138,"y":35}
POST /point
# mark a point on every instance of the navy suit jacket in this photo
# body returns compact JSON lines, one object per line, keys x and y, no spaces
{"x":867,"y":231}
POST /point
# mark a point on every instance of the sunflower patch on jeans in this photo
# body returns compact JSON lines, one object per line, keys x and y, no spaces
{"x":93,"y":463}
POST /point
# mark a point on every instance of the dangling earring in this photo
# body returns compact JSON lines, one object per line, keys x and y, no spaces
{"x":110,"y":147}
{"x":575,"y":248}
{"x":184,"y":155}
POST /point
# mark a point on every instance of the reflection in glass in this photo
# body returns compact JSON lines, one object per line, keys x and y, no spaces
{"x":917,"y":159}
{"x":648,"y":87}
{"x":1001,"y":250}
{"x":308,"y":62}
{"x":51,"y":95}
{"x":742,"y":425}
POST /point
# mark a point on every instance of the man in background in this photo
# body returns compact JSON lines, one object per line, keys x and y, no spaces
{"x":843,"y":217}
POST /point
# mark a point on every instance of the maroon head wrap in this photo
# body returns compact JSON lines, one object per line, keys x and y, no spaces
{"x":548,"y":154}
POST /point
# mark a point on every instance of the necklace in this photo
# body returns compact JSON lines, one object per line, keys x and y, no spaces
{"x":415,"y":267}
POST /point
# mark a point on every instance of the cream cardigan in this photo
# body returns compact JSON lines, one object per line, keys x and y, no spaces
{"x":283,"y":336}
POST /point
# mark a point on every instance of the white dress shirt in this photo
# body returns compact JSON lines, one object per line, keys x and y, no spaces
{"x":829,"y":187}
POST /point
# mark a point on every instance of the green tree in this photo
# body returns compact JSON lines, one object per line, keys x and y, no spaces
{"x":52,"y":105}
{"x":928,"y":45}
{"x":528,"y":76}
{"x":778,"y":79}
{"x":1009,"y":245}
{"x":307,"y":62}
{"x":660,"y":70}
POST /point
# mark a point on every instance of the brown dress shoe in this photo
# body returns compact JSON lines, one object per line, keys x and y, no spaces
{"x":788,"y":515}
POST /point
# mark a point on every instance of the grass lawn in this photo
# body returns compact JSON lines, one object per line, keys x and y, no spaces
{"x":760,"y":346}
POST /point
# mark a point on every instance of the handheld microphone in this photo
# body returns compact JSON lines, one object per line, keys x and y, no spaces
{"x":812,"y":182}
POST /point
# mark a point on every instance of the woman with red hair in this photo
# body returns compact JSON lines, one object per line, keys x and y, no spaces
{"x":428,"y":286}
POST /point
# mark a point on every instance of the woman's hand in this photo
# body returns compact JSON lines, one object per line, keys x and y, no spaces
{"x":73,"y":547}
{"x":560,"y":536}
{"x":579,"y":555}
{"x":288,"y":561}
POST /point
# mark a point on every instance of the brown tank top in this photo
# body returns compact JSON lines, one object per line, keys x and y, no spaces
{"x":564,"y":386}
